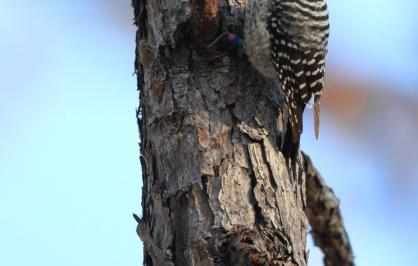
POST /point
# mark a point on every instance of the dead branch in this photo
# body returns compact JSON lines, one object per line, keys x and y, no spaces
{"x":325,"y":219}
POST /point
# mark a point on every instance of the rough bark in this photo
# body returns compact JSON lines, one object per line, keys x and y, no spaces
{"x":217,"y":190}
{"x":325,"y":218}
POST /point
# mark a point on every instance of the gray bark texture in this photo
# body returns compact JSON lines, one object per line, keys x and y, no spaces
{"x":217,"y":187}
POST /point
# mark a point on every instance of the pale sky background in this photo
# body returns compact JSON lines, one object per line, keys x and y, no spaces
{"x":69,"y":170}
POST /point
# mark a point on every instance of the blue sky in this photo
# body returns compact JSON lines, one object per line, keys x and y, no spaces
{"x":69,"y":169}
{"x":69,"y":175}
{"x":376,"y":39}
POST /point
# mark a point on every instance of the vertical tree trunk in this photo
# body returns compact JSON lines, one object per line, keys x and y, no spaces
{"x":217,"y":190}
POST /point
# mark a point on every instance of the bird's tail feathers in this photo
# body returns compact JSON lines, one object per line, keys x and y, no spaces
{"x":316,"y":115}
{"x":295,"y":119}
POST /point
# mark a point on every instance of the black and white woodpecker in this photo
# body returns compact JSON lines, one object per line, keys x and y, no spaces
{"x":287,"y":40}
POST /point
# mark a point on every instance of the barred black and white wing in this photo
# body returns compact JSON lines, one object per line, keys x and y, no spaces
{"x":299,"y":34}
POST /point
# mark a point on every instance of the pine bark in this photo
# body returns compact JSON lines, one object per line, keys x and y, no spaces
{"x":217,"y":189}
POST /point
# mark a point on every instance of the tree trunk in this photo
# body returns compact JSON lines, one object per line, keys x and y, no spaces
{"x":217,"y":189}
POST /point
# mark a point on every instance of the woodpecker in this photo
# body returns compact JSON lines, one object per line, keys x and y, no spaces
{"x":287,"y":40}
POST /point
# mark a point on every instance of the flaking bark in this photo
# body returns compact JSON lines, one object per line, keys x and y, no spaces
{"x":217,"y":190}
